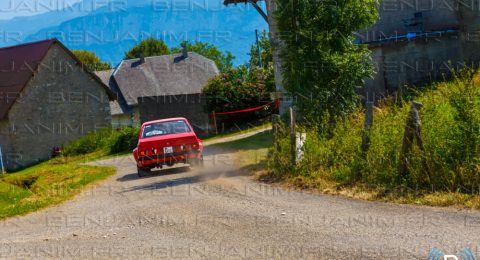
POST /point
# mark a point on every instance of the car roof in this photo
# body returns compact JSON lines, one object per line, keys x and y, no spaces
{"x":165,"y":120}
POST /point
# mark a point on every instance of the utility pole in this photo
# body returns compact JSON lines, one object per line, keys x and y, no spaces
{"x":258,"y":50}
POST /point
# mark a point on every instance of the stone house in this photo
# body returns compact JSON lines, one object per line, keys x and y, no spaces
{"x":416,"y":42}
{"x":150,"y":88}
{"x":47,"y":99}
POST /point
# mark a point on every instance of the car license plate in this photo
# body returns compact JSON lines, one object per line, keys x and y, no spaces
{"x":168,"y":149}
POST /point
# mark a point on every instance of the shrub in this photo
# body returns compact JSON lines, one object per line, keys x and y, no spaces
{"x":125,"y":140}
{"x":280,"y":156}
{"x":238,"y":89}
{"x":450,"y":132}
{"x":111,"y":141}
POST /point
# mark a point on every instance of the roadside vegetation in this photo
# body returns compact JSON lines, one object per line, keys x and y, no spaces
{"x":47,"y":184}
{"x":105,"y":142}
{"x":446,"y":173}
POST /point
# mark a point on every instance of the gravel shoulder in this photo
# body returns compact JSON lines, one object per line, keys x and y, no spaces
{"x":219,"y":212}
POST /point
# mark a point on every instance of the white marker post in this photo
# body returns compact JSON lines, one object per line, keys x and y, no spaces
{"x":1,"y":161}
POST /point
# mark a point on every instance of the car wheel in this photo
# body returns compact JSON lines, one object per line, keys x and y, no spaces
{"x":142,"y":172}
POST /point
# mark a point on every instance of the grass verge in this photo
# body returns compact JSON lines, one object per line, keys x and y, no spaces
{"x":47,"y":184}
{"x":444,"y":172}
{"x":249,"y":151}
{"x":238,"y":130}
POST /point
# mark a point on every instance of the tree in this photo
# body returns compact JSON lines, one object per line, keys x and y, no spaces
{"x":91,"y":60}
{"x":322,"y":65}
{"x":239,"y":88}
{"x":223,"y":60}
{"x":245,"y":86}
{"x":265,"y":52}
{"x":267,"y":60}
{"x":149,"y":47}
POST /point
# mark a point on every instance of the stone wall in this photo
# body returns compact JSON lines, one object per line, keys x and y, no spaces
{"x":189,"y":106}
{"x":61,"y":103}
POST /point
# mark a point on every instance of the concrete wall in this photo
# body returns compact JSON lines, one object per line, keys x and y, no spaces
{"x":188,"y":106}
{"x":437,"y":14}
{"x":375,"y":88}
{"x":60,"y":104}
{"x":469,"y":16}
{"x":419,"y":61}
{"x":416,"y":63}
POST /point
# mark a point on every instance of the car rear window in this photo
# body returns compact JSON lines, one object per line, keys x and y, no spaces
{"x":165,"y":128}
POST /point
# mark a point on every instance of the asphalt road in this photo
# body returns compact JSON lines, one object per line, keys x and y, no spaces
{"x":219,"y":212}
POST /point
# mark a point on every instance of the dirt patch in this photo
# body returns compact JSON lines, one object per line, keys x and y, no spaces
{"x":24,"y":183}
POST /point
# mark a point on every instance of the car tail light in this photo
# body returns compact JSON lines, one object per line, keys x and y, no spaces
{"x":195,"y":146}
{"x":142,"y":153}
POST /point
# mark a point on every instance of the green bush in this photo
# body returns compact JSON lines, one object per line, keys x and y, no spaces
{"x":125,"y":140}
{"x":111,"y":141}
{"x":451,"y":136}
{"x":280,"y":156}
{"x":239,"y":88}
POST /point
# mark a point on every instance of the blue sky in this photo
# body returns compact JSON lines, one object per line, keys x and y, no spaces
{"x":13,"y":8}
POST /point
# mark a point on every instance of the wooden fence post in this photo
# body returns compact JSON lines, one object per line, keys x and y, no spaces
{"x":276,"y":129}
{"x":293,"y":136}
{"x":368,"y":124}
{"x":413,"y":132}
{"x":275,"y":122}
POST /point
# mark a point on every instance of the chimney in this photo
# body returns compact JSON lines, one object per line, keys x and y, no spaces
{"x":184,"y":51}
{"x":141,"y":57}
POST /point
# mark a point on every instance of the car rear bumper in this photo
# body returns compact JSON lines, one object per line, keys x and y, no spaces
{"x":158,"y":160}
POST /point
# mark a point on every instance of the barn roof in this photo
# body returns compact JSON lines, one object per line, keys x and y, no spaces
{"x":18,"y":65}
{"x":163,"y":75}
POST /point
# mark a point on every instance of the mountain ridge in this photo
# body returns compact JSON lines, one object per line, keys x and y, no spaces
{"x":110,"y":33}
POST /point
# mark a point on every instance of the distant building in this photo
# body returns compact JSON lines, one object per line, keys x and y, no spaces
{"x":47,"y":99}
{"x":415,"y":41}
{"x":160,"y":87}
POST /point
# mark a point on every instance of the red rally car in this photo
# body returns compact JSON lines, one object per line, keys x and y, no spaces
{"x":167,"y":142}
